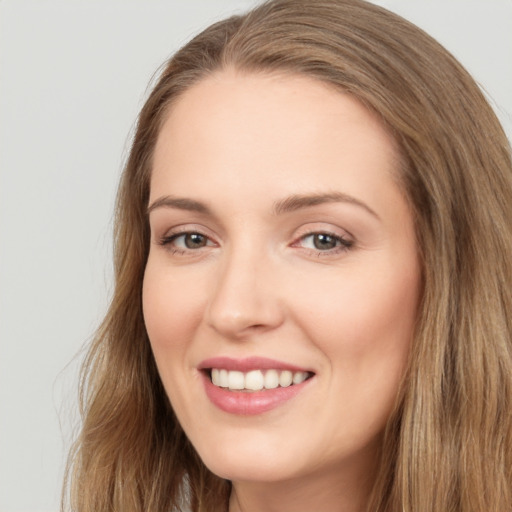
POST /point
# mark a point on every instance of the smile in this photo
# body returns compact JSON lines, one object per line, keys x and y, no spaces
{"x":256,"y":380}
{"x":253,"y":385}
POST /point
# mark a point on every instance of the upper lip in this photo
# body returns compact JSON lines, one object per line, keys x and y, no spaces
{"x":248,"y":363}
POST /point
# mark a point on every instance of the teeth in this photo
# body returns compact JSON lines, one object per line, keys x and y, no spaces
{"x":236,"y":380}
{"x":223,"y":377}
{"x":256,"y":380}
{"x":285,"y":379}
{"x":271,"y":379}
{"x":299,"y":377}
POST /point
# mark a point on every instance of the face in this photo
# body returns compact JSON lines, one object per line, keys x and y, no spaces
{"x":283,"y":266}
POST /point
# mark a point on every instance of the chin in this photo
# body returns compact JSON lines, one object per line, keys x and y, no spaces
{"x":250,"y":462}
{"x":250,"y":471}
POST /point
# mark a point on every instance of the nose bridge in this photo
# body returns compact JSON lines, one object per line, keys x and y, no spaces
{"x":245,"y":296}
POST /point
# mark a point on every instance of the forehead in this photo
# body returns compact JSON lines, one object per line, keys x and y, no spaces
{"x":236,"y":130}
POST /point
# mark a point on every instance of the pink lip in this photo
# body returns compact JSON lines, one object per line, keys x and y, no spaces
{"x":249,"y":403}
{"x":247,"y":364}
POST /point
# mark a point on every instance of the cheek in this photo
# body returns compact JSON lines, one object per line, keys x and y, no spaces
{"x":172,"y":310}
{"x":368,"y":300}
{"x":366,"y":324}
{"x":365,"y":329}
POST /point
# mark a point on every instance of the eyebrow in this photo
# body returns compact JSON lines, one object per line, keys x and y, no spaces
{"x":179,"y":203}
{"x":297,"y":202}
{"x":289,"y":204}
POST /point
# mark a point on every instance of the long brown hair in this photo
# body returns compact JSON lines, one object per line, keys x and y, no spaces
{"x":448,"y":445}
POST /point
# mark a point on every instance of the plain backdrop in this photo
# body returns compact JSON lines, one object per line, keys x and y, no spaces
{"x":73,"y":75}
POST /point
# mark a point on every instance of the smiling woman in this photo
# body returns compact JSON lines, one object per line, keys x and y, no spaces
{"x":313,"y":280}
{"x":304,"y":298}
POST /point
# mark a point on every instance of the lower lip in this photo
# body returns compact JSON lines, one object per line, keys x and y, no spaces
{"x":250,"y":403}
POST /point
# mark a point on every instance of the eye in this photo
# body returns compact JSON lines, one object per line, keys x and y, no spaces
{"x":191,"y":240}
{"x":324,"y":242}
{"x":187,"y":241}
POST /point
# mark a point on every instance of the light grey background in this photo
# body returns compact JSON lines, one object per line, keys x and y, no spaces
{"x":73,"y":74}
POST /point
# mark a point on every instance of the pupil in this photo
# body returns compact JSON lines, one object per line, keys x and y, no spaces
{"x":195,"y":240}
{"x":323,"y":242}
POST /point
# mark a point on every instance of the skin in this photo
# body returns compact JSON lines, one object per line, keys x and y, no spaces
{"x":258,"y":285}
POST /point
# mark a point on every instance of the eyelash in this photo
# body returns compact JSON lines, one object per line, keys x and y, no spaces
{"x":168,"y":241}
{"x":342,"y":244}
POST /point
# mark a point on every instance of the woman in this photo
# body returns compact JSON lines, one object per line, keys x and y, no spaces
{"x":313,"y":278}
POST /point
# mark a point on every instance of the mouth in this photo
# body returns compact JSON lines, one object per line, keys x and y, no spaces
{"x":255,"y":380}
{"x":254,"y":385}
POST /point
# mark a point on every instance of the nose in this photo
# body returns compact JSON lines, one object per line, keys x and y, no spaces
{"x":246,"y":298}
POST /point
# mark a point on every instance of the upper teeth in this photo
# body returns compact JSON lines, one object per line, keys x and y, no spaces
{"x":256,"y":379}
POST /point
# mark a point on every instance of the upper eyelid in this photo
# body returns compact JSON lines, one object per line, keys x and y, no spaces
{"x":183,"y":229}
{"x":308,"y":229}
{"x":332,"y":224}
{"x":173,"y":235}
{"x":329,"y":233}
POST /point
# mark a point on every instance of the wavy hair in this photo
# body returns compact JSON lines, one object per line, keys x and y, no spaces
{"x":448,"y":445}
